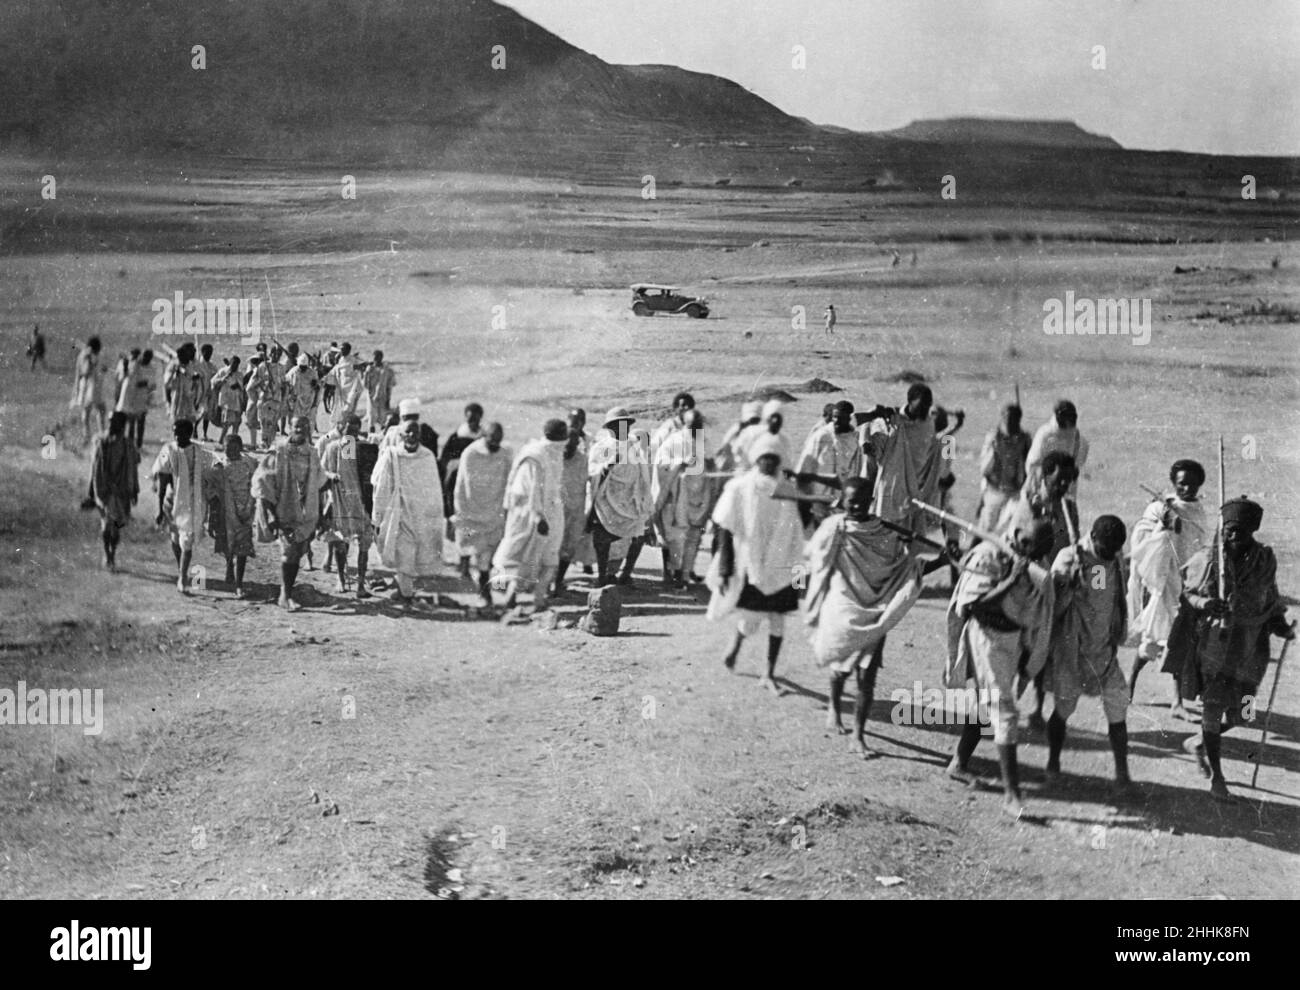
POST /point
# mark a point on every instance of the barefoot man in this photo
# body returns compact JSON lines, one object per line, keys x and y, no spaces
{"x":999,"y":623}
{"x":114,"y":483}
{"x":349,"y":520}
{"x":479,"y":503}
{"x":232,"y":508}
{"x":89,"y":395}
{"x":178,"y":472}
{"x":1218,"y":647}
{"x":760,"y":553}
{"x":682,"y":498}
{"x":1043,"y":497}
{"x":1091,"y":622}
{"x":862,"y":579}
{"x":1171,"y":531}
{"x":287,"y":484}
{"x":529,"y":552}
{"x":576,"y":546}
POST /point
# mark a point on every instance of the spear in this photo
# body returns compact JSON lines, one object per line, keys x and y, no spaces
{"x":1259,"y":753}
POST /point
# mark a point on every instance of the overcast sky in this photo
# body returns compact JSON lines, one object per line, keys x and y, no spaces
{"x":1217,"y":76}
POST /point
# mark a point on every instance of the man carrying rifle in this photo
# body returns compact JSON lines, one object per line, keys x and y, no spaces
{"x":999,"y":626}
{"x":863,"y":577}
{"x":1218,"y":647}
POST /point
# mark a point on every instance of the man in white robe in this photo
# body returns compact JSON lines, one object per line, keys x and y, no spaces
{"x":619,"y":492}
{"x":682,"y":498}
{"x":831,"y":455}
{"x":301,"y":388}
{"x":408,"y":511}
{"x":904,"y":459}
{"x":760,"y":556}
{"x":449,"y":460}
{"x":380,"y":380}
{"x":89,"y":396}
{"x":529,"y":552}
{"x":862,"y":579}
{"x":1167,"y":536}
{"x":771,"y":419}
{"x":729,"y":455}
{"x":178,"y":471}
{"x":479,"y":501}
{"x":683,"y":403}
{"x":349,"y":387}
{"x":576,"y":546}
{"x":1060,"y":433}
{"x":183,"y":386}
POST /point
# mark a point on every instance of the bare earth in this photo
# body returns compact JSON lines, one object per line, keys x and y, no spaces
{"x":550,"y":763}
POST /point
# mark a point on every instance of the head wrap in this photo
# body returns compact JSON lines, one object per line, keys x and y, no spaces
{"x":302,"y":361}
{"x":768,"y":443}
{"x":1244,"y":513}
{"x":408,"y":407}
{"x":771,"y":406}
{"x":751,"y":410}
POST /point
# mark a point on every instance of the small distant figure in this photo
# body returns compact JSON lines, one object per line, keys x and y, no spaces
{"x":36,"y":348}
{"x":897,"y":258}
{"x":829,"y":317}
{"x":914,"y":259}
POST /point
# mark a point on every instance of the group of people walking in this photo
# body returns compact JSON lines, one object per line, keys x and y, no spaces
{"x":844,"y":531}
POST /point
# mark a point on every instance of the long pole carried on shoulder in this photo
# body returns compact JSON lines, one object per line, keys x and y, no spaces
{"x":1222,"y":499}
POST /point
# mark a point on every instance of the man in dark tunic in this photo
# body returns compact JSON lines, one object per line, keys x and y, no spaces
{"x":1218,"y":647}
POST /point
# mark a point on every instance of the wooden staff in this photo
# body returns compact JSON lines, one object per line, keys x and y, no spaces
{"x":1219,"y":541}
{"x":1035,"y":571}
{"x":903,"y":531}
{"x":1259,"y":753}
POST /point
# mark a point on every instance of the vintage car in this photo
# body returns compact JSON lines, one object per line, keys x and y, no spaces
{"x":649,"y":299}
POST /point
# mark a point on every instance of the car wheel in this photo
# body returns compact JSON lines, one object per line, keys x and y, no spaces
{"x":694,"y":312}
{"x":641,"y":309}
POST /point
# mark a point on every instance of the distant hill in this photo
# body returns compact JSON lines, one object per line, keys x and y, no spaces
{"x":284,"y":74}
{"x":975,"y":130}
{"x":471,"y":85}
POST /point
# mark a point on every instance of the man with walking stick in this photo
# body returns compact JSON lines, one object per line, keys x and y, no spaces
{"x":1218,"y":647}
